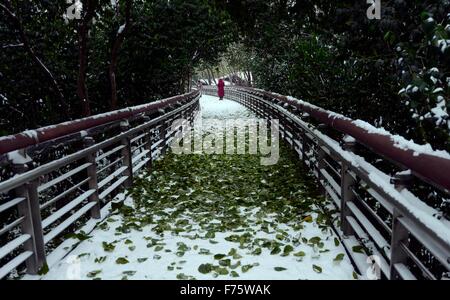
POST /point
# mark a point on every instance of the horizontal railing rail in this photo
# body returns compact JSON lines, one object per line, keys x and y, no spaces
{"x":45,"y":199}
{"x":381,"y":222}
{"x":33,"y":137}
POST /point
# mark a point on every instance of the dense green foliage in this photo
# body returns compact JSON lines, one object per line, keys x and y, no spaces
{"x":330,"y":53}
{"x":165,"y":42}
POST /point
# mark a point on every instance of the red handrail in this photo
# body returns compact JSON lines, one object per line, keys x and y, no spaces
{"x":34,"y":137}
{"x":431,"y":166}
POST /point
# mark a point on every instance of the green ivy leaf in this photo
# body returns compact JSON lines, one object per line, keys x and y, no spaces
{"x":222,"y":271}
{"x":108,"y":247}
{"x":287,"y":250}
{"x":336,"y":242}
{"x":300,"y":254}
{"x":317,"y":269}
{"x":205,"y":268}
{"x":100,"y":260}
{"x":257,"y":251}
{"x":339,"y":257}
{"x":44,"y":270}
{"x":210,"y":235}
{"x":275,"y":250}
{"x":234,"y":274}
{"x":358,"y":249}
{"x":129,"y":273}
{"x":93,"y":274}
{"x":225,"y":262}
{"x":219,"y":256}
{"x":246,"y":268}
{"x":122,"y":261}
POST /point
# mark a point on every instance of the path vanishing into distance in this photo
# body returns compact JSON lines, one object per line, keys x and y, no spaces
{"x":214,"y":217}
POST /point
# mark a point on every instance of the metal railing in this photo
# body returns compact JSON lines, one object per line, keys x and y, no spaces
{"x":61,"y":176}
{"x":55,"y":179}
{"x":381,"y":221}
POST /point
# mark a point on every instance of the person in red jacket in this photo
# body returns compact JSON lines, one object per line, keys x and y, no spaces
{"x":221,"y":89}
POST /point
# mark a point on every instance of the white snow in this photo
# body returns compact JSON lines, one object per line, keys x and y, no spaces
{"x":440,"y":111}
{"x":401,"y":142}
{"x":17,"y":157}
{"x":349,"y":139}
{"x":32,"y":134}
{"x":4,"y":99}
{"x":121,"y":29}
{"x":435,"y":70}
{"x":443,"y":44}
{"x":213,"y":108}
{"x":406,"y":172}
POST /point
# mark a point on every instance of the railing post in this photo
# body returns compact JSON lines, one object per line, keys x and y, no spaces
{"x":163,"y":134}
{"x":292,"y":131}
{"x":148,"y":145}
{"x":295,"y":137}
{"x":399,"y":233}
{"x":93,"y":181}
{"x":304,"y":145}
{"x":347,"y":184}
{"x":320,"y":166}
{"x":321,"y":163}
{"x":37,"y":221}
{"x":126,"y":154}
{"x":32,"y":225}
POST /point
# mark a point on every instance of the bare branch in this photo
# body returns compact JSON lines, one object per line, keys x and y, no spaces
{"x":6,"y":6}
{"x":13,"y":46}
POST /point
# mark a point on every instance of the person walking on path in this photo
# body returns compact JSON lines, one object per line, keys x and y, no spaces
{"x":221,"y":89}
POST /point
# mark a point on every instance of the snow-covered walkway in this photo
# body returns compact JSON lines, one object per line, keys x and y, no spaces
{"x":213,"y":217}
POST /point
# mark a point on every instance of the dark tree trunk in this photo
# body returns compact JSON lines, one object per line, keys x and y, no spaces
{"x":83,"y":52}
{"x":249,"y":78}
{"x":209,"y":77}
{"x":212,"y":75}
{"x":120,"y":37}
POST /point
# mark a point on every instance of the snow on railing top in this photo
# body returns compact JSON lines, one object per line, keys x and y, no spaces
{"x":33,"y":137}
{"x":428,"y":164}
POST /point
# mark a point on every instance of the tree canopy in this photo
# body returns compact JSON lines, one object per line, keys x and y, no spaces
{"x":127,"y":52}
{"x":55,"y":67}
{"x":392,"y":72}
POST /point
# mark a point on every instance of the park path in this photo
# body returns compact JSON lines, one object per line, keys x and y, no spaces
{"x":214,"y":217}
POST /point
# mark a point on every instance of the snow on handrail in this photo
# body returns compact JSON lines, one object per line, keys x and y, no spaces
{"x":428,"y":164}
{"x":33,"y":137}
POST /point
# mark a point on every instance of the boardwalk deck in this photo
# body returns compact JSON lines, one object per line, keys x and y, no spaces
{"x":214,"y":216}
